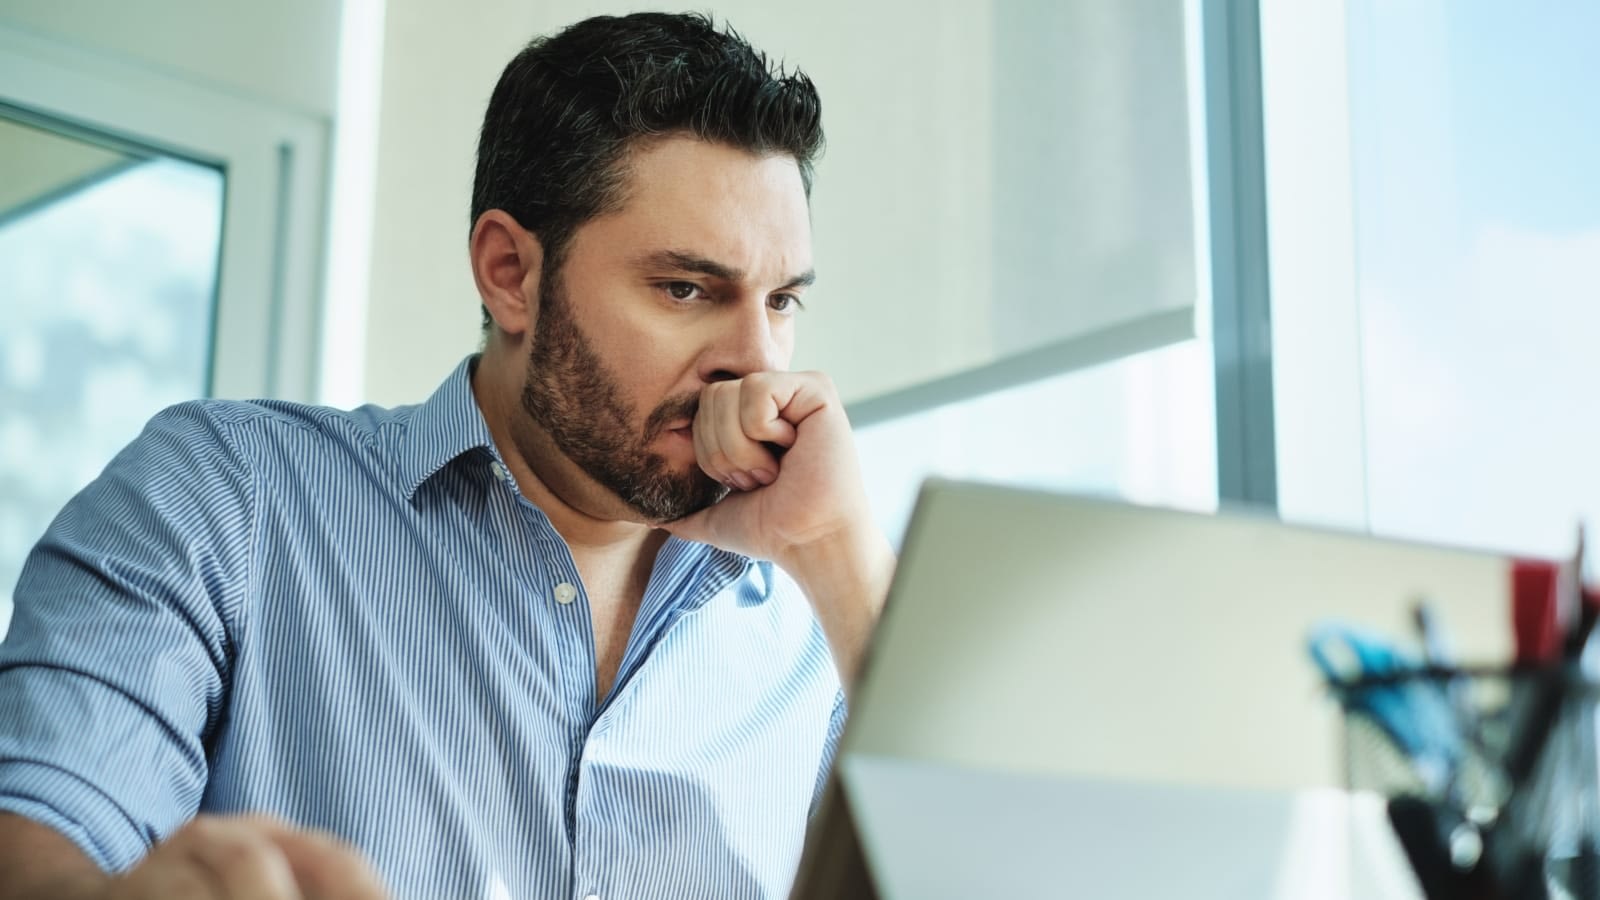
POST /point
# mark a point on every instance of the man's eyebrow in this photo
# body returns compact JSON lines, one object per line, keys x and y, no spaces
{"x":804,"y":279}
{"x":690,"y":262}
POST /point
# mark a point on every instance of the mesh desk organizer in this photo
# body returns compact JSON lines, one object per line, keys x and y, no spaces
{"x":1492,"y":773}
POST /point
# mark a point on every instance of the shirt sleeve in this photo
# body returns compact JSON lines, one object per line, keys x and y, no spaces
{"x":114,"y":671}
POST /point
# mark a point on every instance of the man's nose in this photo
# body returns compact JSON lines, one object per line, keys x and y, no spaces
{"x":744,"y":344}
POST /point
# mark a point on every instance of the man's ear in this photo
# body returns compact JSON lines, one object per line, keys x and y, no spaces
{"x":505,"y":264}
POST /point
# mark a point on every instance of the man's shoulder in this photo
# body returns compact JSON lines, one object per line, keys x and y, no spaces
{"x":268,"y":440}
{"x":247,"y":423}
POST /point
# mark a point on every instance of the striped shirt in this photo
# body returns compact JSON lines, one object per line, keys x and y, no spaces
{"x":354,"y":621}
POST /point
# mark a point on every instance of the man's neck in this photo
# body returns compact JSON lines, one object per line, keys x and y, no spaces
{"x":614,"y":555}
{"x":590,"y":529}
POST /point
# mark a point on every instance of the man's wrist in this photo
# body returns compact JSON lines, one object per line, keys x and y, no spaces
{"x":38,"y":862}
{"x":846,"y":577}
{"x":857,"y":558}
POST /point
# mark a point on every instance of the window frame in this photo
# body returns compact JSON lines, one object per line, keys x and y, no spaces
{"x":266,"y":333}
{"x":1315,"y":320}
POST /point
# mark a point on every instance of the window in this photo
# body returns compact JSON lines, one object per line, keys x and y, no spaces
{"x":1447,"y":247}
{"x":1476,"y":132}
{"x":158,"y":241}
{"x":1141,"y":428}
{"x":108,"y":262}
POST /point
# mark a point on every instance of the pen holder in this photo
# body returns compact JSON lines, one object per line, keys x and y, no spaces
{"x":1492,"y":775}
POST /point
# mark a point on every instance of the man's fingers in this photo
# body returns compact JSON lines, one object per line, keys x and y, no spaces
{"x":706,"y":446}
{"x":241,"y":860}
{"x":327,"y":869}
{"x":760,"y":415}
{"x":722,"y":447}
{"x":741,"y":422}
{"x":179,"y":877}
{"x":748,"y":463}
{"x":249,"y":858}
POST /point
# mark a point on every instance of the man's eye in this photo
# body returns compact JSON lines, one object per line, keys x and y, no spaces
{"x":682,"y":290}
{"x":784,"y":302}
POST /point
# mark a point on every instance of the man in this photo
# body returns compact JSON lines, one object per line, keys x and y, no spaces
{"x":574,"y":627}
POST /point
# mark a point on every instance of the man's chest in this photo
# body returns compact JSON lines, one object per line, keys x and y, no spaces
{"x":468,"y":713}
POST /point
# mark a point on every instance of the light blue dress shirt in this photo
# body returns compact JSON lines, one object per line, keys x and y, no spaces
{"x":355,"y":621}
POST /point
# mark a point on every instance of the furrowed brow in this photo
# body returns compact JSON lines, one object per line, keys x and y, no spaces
{"x":689,"y":262}
{"x":804,"y":279}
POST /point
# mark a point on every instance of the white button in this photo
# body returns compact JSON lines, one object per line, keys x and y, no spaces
{"x":565,"y":593}
{"x":592,"y":897}
{"x":498,"y":470}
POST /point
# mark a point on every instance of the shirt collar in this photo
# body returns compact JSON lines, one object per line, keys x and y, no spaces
{"x":448,"y":425}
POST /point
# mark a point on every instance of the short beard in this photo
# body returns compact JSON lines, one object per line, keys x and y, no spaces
{"x":571,"y":394}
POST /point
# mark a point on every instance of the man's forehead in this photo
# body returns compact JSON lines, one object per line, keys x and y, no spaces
{"x":688,"y":200}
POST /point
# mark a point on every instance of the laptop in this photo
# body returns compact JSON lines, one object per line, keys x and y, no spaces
{"x":1069,"y":696}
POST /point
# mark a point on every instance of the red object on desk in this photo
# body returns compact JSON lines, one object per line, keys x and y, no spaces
{"x":1535,"y":620}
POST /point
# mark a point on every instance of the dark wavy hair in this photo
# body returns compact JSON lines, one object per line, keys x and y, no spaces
{"x":570,"y":106}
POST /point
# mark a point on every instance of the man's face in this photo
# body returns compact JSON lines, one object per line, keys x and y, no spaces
{"x":697,"y":279}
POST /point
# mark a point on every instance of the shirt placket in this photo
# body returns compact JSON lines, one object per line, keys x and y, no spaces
{"x":561,"y":616}
{"x":663,"y":605}
{"x":566,"y":608}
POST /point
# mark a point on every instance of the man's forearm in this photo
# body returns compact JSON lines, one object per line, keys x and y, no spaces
{"x":847,"y":579}
{"x":37,"y":863}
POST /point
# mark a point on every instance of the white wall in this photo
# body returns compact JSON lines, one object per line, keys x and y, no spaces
{"x":283,"y":52}
{"x":440,"y":63}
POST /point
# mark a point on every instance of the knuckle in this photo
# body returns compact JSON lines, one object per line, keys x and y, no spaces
{"x":755,"y":393}
{"x":247,"y":855}
{"x":753,"y":408}
{"x":203,"y":828}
